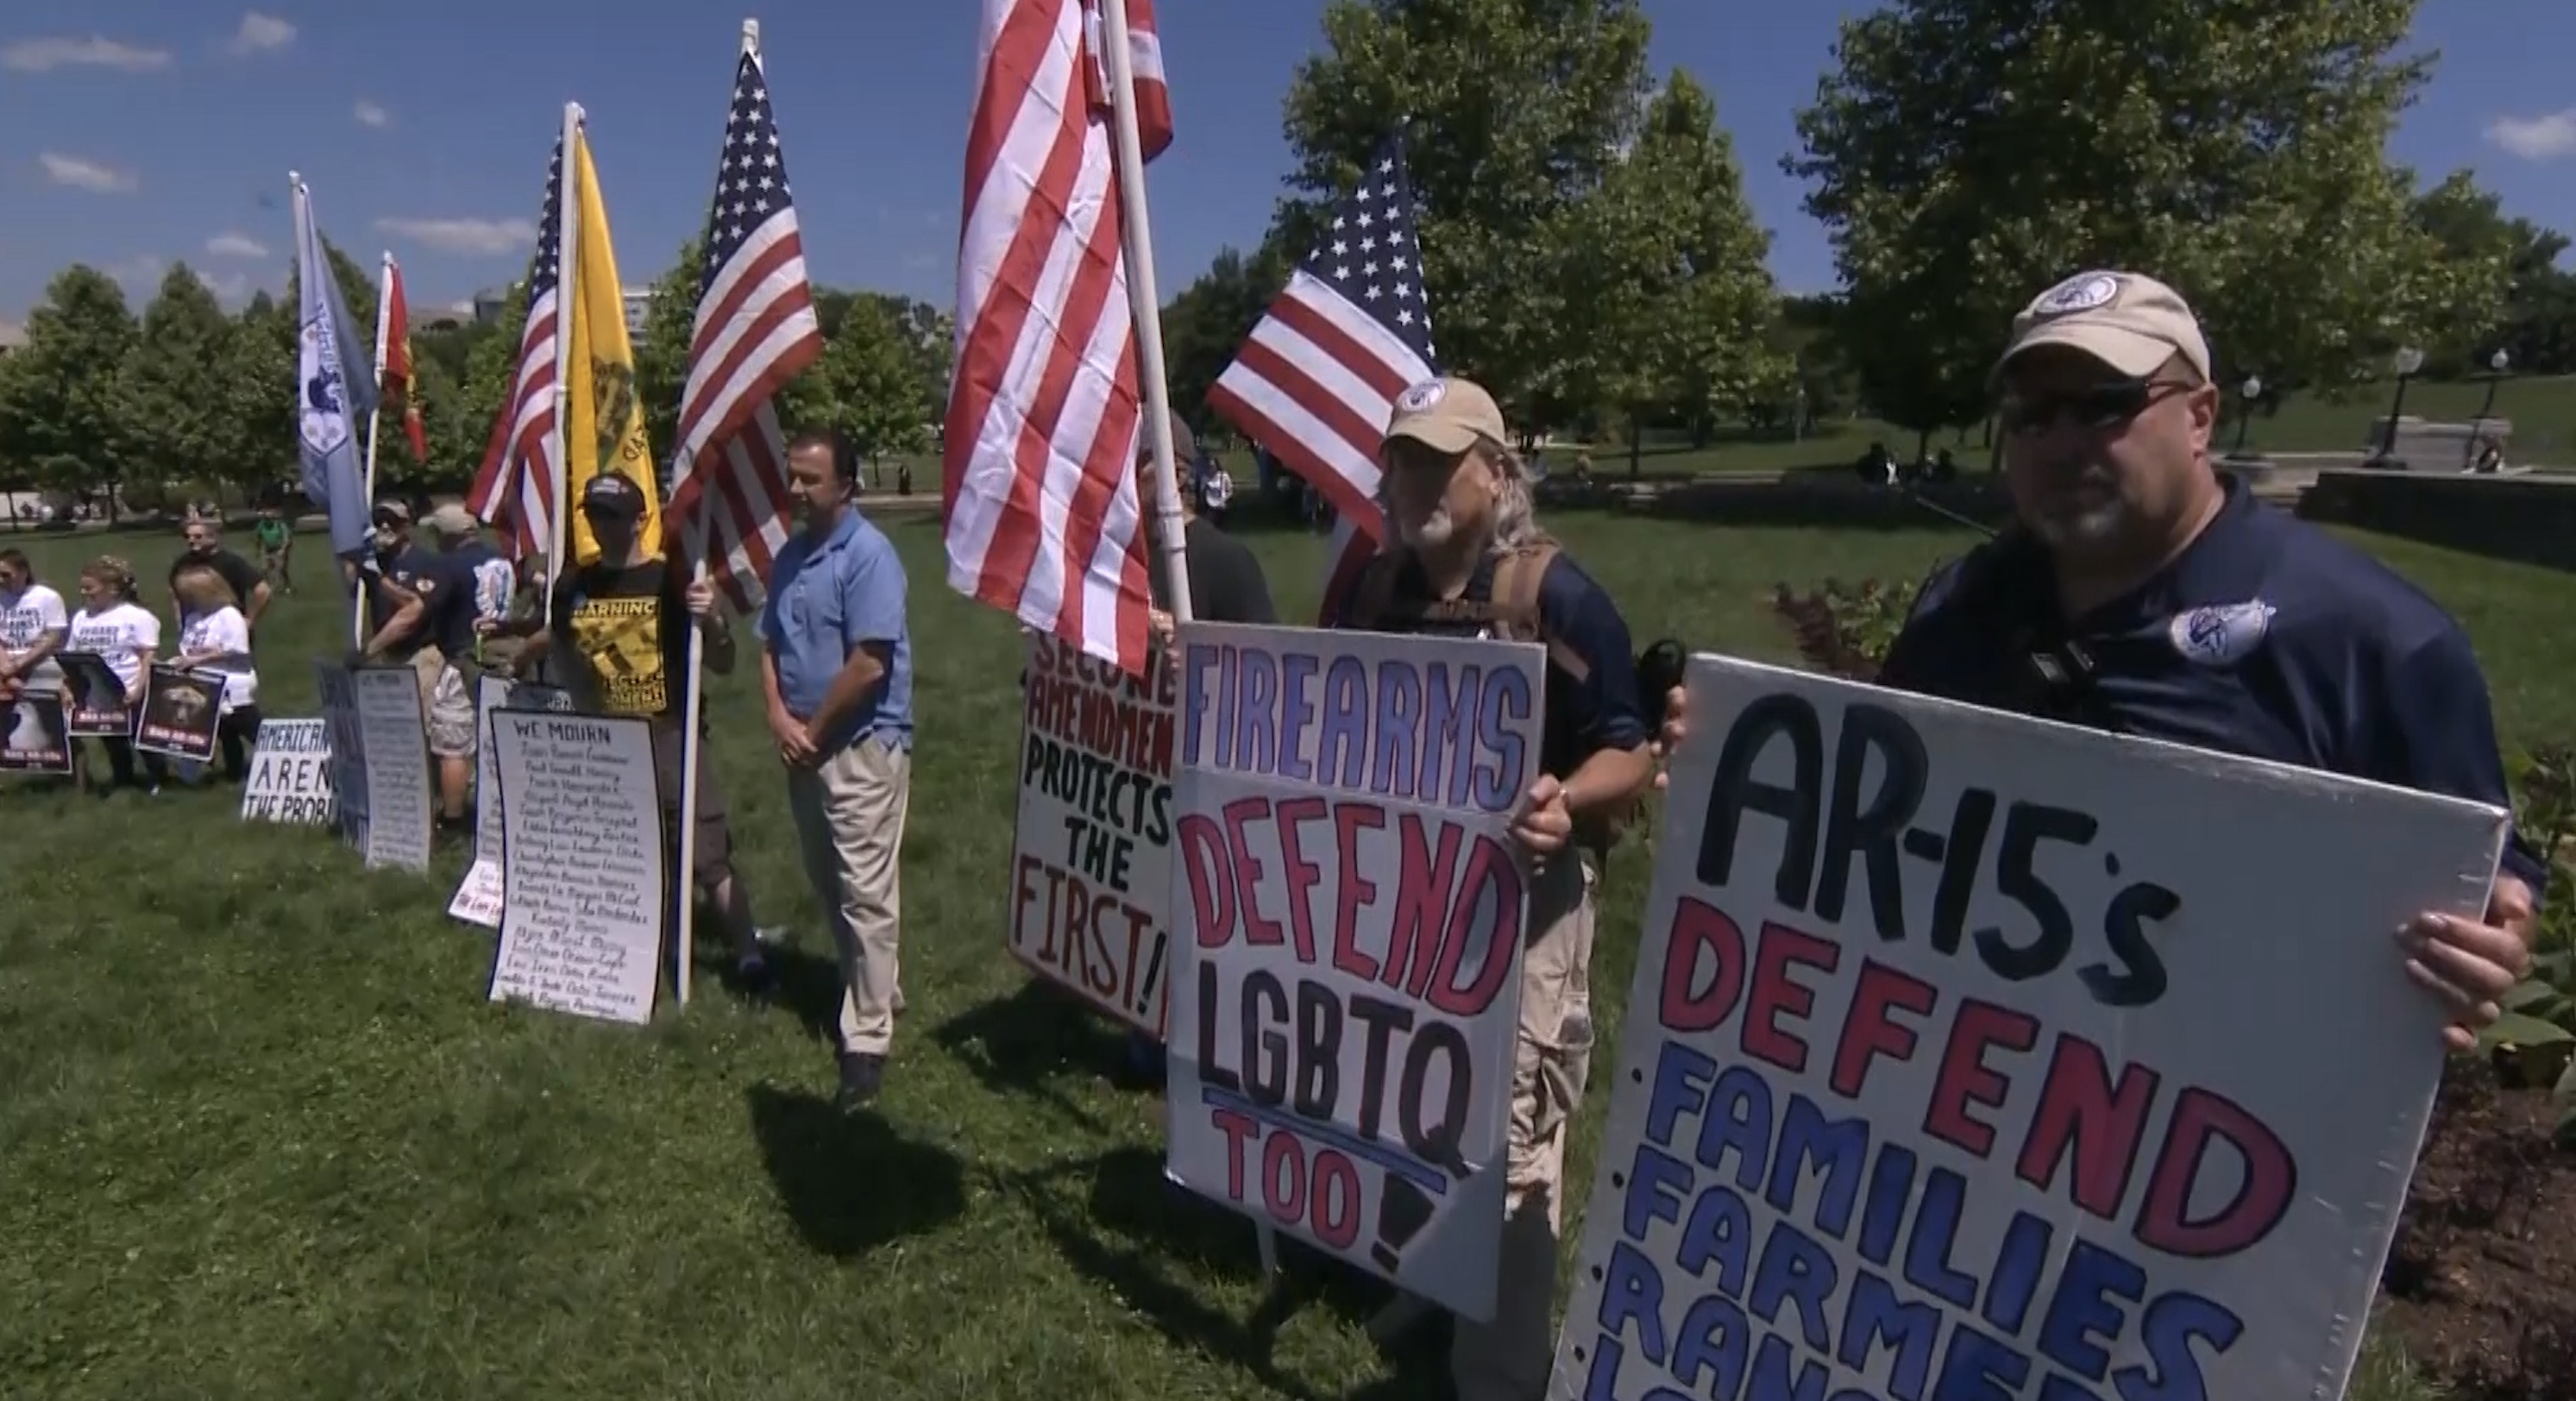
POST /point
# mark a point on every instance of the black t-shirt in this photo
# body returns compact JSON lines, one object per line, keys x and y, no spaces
{"x":629,"y":625}
{"x":239,"y":574}
{"x":386,"y":578}
{"x":1226,"y":582}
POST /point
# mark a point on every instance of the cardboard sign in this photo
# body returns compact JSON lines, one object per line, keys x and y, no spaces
{"x":39,"y":737}
{"x":1972,"y":1055}
{"x":290,"y":774}
{"x":582,"y":870}
{"x":1091,"y":865}
{"x":400,"y":805}
{"x":181,"y":710}
{"x":93,"y":697}
{"x":478,"y":896}
{"x":347,"y":750}
{"x":1351,"y":906}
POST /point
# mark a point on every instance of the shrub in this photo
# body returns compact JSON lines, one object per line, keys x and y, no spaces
{"x":1845,"y":632}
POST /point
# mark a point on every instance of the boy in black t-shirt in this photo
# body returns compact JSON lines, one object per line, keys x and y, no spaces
{"x":628,"y":621}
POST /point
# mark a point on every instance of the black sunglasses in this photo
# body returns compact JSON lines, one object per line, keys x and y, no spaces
{"x":2094,"y":409}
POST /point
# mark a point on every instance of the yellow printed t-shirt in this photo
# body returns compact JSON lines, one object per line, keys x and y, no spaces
{"x":630,"y":627}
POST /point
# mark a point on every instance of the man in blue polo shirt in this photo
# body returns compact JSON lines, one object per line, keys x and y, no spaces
{"x":2146,"y":593}
{"x":836,"y":671}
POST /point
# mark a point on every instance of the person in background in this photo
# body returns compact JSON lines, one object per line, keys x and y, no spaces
{"x":112,"y":626}
{"x":836,"y":672}
{"x":276,"y":538}
{"x":32,"y":625}
{"x":1227,"y":585}
{"x":410,"y":593}
{"x":2200,"y":615}
{"x":205,"y":536}
{"x":1468,"y":559}
{"x":492,"y":582}
{"x":213,"y":636}
{"x":628,"y":622}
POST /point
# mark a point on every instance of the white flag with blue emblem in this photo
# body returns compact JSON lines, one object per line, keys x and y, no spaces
{"x":329,"y":398}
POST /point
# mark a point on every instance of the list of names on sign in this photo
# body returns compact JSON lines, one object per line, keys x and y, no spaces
{"x":397,"y":767}
{"x":478,"y":895}
{"x":582,"y":868}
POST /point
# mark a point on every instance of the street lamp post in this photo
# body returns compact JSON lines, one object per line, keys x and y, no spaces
{"x":2249,"y":392}
{"x":2409,"y":360}
{"x":2496,"y":365}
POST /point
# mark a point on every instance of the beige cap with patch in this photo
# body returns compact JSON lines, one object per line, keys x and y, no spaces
{"x":1446,"y":415}
{"x":2126,"y":320}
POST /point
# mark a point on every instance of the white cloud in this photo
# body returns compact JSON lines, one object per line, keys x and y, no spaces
{"x":139,"y":275}
{"x":369,"y":114}
{"x":235,"y":245}
{"x":86,"y":175}
{"x":96,"y":51}
{"x":260,"y":33}
{"x":230,"y":287}
{"x":2541,"y":138}
{"x":485,"y":237}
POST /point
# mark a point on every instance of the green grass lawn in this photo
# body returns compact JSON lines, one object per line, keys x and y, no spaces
{"x":263,"y":1137}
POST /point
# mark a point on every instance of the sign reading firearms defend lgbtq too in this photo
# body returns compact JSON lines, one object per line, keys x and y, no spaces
{"x":1352,"y":906}
{"x":1091,"y":866}
{"x":1975,"y":1056}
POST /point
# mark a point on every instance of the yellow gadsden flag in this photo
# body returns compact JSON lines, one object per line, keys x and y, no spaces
{"x":603,"y":427}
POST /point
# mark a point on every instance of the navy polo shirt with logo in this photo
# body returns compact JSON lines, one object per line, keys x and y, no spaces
{"x":2267,"y":638}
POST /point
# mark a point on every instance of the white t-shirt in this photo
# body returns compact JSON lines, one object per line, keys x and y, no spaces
{"x":224,"y":631}
{"x":121,"y":633}
{"x":27,"y":615}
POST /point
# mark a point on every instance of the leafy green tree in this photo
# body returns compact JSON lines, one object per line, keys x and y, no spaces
{"x":872,"y":382}
{"x":662,"y":358}
{"x":183,"y":423}
{"x":62,"y":413}
{"x":1966,"y":154}
{"x":2536,"y":322}
{"x":1530,"y":102}
{"x":1206,"y":324}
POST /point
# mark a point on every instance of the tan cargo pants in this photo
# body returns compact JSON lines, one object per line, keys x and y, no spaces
{"x":1509,"y":1358}
{"x":849,"y":812}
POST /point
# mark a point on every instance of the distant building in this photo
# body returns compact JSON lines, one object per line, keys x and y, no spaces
{"x":12,"y":336}
{"x":491,"y":306}
{"x":639,"y":305}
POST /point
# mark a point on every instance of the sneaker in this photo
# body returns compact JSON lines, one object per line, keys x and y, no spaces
{"x":862,"y":1075}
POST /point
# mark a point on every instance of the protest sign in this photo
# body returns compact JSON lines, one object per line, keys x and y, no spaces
{"x":1973,"y":1055}
{"x":581,"y":864}
{"x":348,"y":750}
{"x":478,"y":896}
{"x":180,"y":712}
{"x":399,"y":812}
{"x":39,"y":740}
{"x":1351,"y":907}
{"x":290,"y":774}
{"x":94,"y":699}
{"x":1091,"y":866}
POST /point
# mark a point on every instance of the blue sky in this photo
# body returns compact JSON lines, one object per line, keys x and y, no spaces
{"x":136,"y":132}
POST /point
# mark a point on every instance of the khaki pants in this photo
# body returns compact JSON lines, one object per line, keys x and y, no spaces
{"x":1509,"y":1358}
{"x":849,"y":812}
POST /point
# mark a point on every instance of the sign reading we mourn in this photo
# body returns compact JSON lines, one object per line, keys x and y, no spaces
{"x":582,"y":872}
{"x":478,"y":896}
{"x":1091,"y":868}
{"x":290,"y":774}
{"x":1348,"y":990}
{"x":1972,"y":1055}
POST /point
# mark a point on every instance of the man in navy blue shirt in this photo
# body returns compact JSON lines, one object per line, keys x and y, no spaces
{"x":1469,"y":560}
{"x":2146,"y":593}
{"x":409,"y":593}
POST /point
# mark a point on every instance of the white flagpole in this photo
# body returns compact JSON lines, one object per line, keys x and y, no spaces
{"x":384,"y":318}
{"x":1137,"y":236}
{"x":567,"y":306}
{"x":692,"y":703}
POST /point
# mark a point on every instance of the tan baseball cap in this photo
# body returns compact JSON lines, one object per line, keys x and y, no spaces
{"x":1446,"y":415}
{"x":2127,"y":320}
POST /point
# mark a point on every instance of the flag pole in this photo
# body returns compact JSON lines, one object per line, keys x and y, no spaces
{"x":1136,"y":236}
{"x":567,"y":306}
{"x":301,"y":212}
{"x":693,"y":699}
{"x":384,"y":317}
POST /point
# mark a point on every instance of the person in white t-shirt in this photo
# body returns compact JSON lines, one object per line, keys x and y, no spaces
{"x":215,"y":637}
{"x":32,"y":624}
{"x":126,"y":635}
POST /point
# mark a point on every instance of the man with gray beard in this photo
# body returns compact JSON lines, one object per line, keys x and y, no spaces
{"x":1469,"y":560}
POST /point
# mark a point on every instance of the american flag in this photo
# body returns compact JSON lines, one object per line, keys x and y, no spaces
{"x":1044,"y":517}
{"x":516,"y":482}
{"x":755,"y":331}
{"x":1316,"y":381}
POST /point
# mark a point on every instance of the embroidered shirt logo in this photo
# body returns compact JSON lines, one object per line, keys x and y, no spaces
{"x":2221,"y":634}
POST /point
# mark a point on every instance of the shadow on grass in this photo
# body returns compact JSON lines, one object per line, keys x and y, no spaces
{"x":808,"y":985}
{"x":1142,"y":1235}
{"x":1023,"y":1043}
{"x":850,"y":1183}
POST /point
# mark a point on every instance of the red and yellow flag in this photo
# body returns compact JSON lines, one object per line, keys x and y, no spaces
{"x":400,"y":380}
